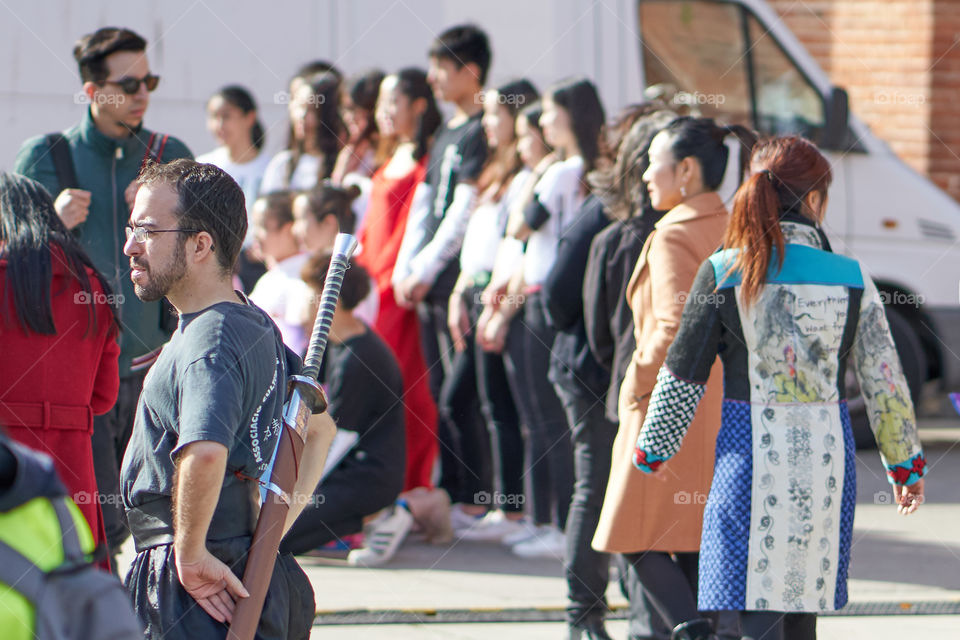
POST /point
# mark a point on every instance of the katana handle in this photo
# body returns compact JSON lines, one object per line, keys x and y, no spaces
{"x":305,"y":398}
{"x":343,"y":248}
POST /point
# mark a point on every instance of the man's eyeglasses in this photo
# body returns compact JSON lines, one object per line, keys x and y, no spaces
{"x":140,"y":234}
{"x":131,"y":85}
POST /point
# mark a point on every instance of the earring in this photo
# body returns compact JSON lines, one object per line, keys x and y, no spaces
{"x":683,"y":191}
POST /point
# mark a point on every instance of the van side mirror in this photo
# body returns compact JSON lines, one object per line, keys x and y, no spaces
{"x":835,"y":130}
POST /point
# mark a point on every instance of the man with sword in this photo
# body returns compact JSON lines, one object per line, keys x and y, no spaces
{"x":208,"y":419}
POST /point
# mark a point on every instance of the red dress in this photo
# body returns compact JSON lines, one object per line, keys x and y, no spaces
{"x":51,"y":386}
{"x":385,"y":222}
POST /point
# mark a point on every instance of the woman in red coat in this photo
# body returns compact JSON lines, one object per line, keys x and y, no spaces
{"x":58,"y":347}
{"x":406,"y":112}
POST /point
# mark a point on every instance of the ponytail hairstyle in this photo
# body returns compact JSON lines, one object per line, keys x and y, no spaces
{"x":327,"y":200}
{"x":504,"y":162}
{"x":703,"y":139}
{"x":786,"y":170}
{"x":579,"y":97}
{"x":240,"y":98}
{"x":412,"y":83}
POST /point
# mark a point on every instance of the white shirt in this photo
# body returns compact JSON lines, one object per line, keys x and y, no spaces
{"x":486,"y":228}
{"x":560,"y":193}
{"x":249,"y":175}
{"x":285,"y":297}
{"x":304,"y":175}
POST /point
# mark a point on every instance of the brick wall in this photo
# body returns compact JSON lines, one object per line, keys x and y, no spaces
{"x":900,"y":62}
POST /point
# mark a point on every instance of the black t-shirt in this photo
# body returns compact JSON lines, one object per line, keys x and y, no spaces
{"x":221,"y":378}
{"x":365,"y":389}
{"x":457,"y":155}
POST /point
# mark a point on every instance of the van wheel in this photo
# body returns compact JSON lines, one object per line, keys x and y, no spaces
{"x":914,"y":363}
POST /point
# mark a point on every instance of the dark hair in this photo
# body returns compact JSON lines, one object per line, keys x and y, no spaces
{"x":412,"y":83}
{"x":356,"y":280}
{"x":208,"y":199}
{"x":278,"y":206}
{"x":703,"y":139}
{"x":463,"y":45}
{"x":579,"y":97}
{"x":328,"y":200}
{"x":328,"y":135}
{"x":240,"y":98}
{"x":363,"y":89}
{"x":91,"y":51}
{"x":531,"y":113}
{"x":789,"y":168}
{"x":315,"y":67}
{"x":30,"y":234}
{"x":504,"y":163}
{"x":619,"y":184}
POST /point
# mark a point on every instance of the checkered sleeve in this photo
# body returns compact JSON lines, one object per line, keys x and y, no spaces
{"x":672,"y":407}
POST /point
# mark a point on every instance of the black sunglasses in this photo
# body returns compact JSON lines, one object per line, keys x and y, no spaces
{"x":131,"y":85}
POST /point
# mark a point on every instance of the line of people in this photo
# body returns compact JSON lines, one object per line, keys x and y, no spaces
{"x":534,"y":316}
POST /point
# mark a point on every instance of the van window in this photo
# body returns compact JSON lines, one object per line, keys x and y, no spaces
{"x":715,"y":59}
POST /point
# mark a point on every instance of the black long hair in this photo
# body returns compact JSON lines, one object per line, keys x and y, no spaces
{"x":31,"y":236}
{"x":412,"y":83}
{"x":579,"y":97}
{"x":240,"y":98}
{"x":329,"y":136}
{"x":704,"y":139}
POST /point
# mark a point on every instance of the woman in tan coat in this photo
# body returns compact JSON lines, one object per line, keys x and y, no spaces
{"x":648,"y":519}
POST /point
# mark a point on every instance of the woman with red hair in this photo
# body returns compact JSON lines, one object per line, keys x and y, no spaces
{"x":787,"y":317}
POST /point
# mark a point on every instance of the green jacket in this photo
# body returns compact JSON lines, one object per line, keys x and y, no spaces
{"x":105,"y":167}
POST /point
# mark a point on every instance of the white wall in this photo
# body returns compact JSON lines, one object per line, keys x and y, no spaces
{"x":199,"y":46}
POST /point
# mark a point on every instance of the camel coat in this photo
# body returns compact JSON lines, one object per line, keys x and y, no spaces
{"x":640,"y":512}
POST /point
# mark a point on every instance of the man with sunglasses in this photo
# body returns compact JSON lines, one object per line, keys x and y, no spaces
{"x":90,"y":170}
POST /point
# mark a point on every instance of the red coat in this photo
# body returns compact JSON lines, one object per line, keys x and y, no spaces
{"x":52,"y":385}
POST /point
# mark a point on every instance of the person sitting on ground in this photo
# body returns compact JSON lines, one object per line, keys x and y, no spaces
{"x":365,"y":388}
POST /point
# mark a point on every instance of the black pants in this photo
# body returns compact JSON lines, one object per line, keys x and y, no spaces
{"x":503,"y":421}
{"x":644,"y":621}
{"x":587,"y":570}
{"x":775,"y":625}
{"x":338,"y":507}
{"x":167,"y":611}
{"x":465,"y":466}
{"x":111,"y":432}
{"x":671,"y":584}
{"x":549,"y":449}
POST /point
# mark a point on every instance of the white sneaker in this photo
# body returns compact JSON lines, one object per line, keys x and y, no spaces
{"x":383,"y":538}
{"x":549,"y":542}
{"x":494,"y":527}
{"x":526,"y":531}
{"x":462,"y":521}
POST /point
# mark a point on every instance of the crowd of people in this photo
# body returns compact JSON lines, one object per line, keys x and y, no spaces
{"x":544,"y":306}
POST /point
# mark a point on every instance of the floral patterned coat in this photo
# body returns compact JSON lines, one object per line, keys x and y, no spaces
{"x":779,"y":518}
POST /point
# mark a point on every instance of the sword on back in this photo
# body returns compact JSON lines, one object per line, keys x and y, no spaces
{"x":304,"y":397}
